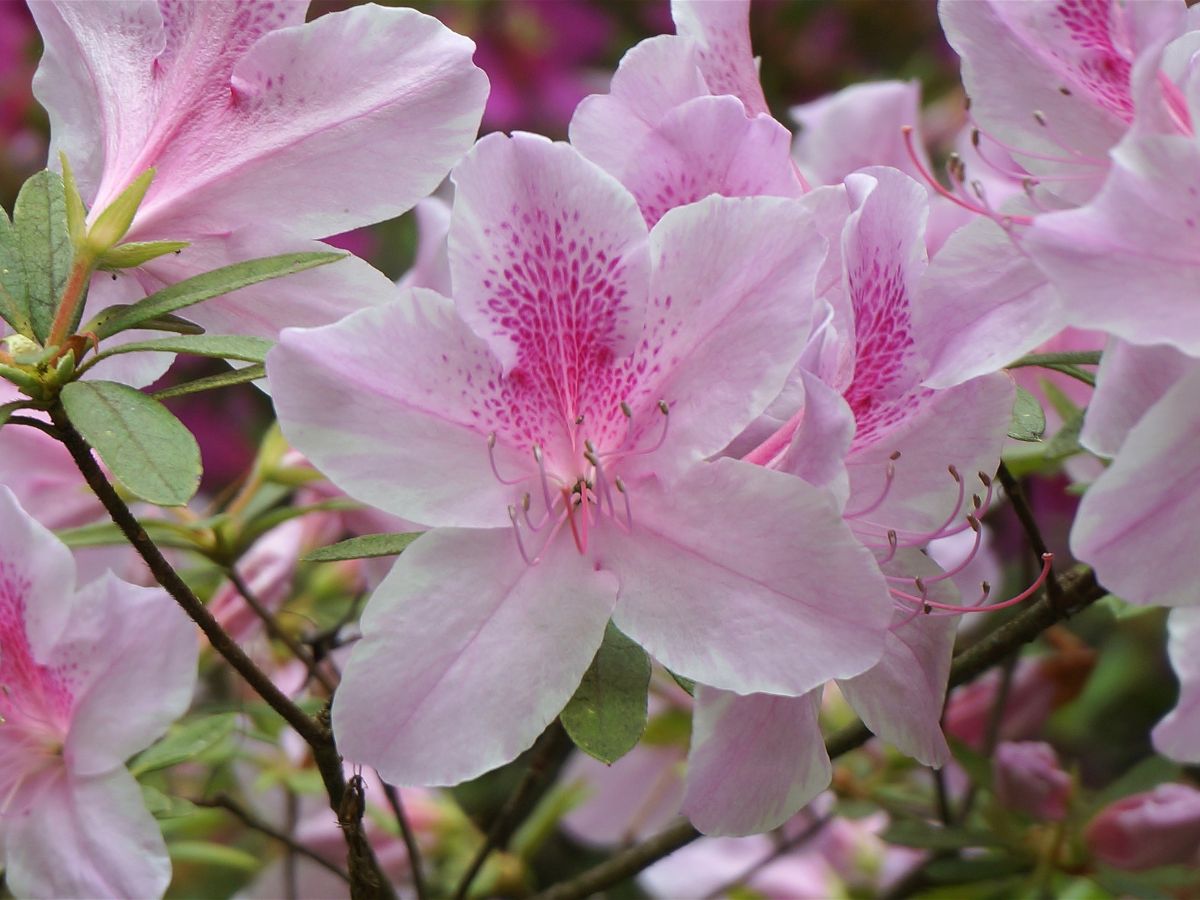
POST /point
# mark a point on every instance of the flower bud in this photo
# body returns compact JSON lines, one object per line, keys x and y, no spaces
{"x":1157,"y":828}
{"x":1027,"y":778}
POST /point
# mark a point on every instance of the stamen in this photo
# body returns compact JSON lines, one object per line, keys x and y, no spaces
{"x":512,"y":514}
{"x":933,"y":607}
{"x":491,"y":444}
{"x":566,"y":494}
{"x":888,"y":478}
{"x":624,"y":493}
{"x":541,"y":464}
{"x":940,"y":189}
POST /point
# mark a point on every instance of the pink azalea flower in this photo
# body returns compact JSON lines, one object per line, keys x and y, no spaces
{"x":1143,"y":831}
{"x":861,"y":403}
{"x":579,"y":349}
{"x":685,"y":116}
{"x":72,"y":822}
{"x":244,"y":111}
{"x":1054,"y":87}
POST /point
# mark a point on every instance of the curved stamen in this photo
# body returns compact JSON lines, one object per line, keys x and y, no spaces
{"x":888,"y":478}
{"x":628,"y":509}
{"x":540,"y":458}
{"x":933,"y":607}
{"x":622,"y":451}
{"x":940,"y":189}
{"x":491,"y":444}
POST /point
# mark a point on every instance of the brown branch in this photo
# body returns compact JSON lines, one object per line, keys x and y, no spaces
{"x":366,"y":878}
{"x":1020,"y":505}
{"x":276,"y":631}
{"x":251,"y":821}
{"x":1079,"y":590}
{"x":548,"y":752}
{"x":410,"y":839}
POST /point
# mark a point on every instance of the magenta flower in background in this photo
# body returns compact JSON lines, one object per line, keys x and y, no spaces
{"x":579,"y":350}
{"x":1158,"y":828}
{"x":73,"y":822}
{"x":252,"y":117}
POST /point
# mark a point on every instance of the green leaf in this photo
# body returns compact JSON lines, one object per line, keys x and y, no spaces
{"x":217,"y":346}
{"x":163,"y":806}
{"x":1028,"y":420}
{"x":272,"y":518}
{"x":136,"y":253}
{"x":977,"y":766}
{"x":114,"y":220}
{"x":76,"y":211}
{"x":211,"y":284}
{"x":106,"y":534}
{"x":185,"y":741}
{"x":203,"y":853}
{"x":149,"y":450}
{"x":9,"y":408}
{"x":914,"y":833}
{"x":166,"y":322}
{"x":1066,"y":440}
{"x":40,"y":222}
{"x":1069,"y":358}
{"x":212,"y":382}
{"x":686,"y":683}
{"x":14,"y":304}
{"x":607,"y":715}
{"x":367,"y":546}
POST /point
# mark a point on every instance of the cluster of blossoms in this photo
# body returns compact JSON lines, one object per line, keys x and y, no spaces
{"x":680,"y":390}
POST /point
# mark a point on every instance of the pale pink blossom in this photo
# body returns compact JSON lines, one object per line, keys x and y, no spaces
{"x":265,"y":132}
{"x":579,"y":349}
{"x":72,"y":822}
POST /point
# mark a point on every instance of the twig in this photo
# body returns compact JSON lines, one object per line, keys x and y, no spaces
{"x":548,"y":752}
{"x":410,"y":839}
{"x":1020,"y":505}
{"x":251,"y":821}
{"x":1079,"y":589}
{"x":366,"y":878}
{"x":274,"y":630}
{"x":32,"y":423}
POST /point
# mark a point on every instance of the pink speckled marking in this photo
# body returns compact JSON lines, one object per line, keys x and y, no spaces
{"x":880,"y":394}
{"x":30,"y":693}
{"x":561,"y":297}
{"x":1092,"y":56}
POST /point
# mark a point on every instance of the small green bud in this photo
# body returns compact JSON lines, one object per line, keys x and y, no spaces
{"x":112,"y":224}
{"x":128,"y":256}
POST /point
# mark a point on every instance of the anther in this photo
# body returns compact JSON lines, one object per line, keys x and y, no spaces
{"x":663,"y":407}
{"x":954,"y":473}
{"x":627,"y":410}
{"x":491,"y":445}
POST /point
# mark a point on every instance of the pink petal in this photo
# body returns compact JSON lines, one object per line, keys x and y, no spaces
{"x":629,"y":800}
{"x":820,"y":445}
{"x":240,"y":116}
{"x":459,"y":608}
{"x":981,"y":304}
{"x":728,"y":321}
{"x":431,"y":268}
{"x":964,"y":427}
{"x":857,"y":127}
{"x":533,"y":223}
{"x":708,"y":146}
{"x":85,"y":837}
{"x":1139,"y":237}
{"x":722,"y":31}
{"x":732,"y":567}
{"x":1178,"y":735}
{"x":129,"y":648}
{"x":1131,"y":379}
{"x":656,"y":76}
{"x":380,"y":405}
{"x":755,"y":761}
{"x":1131,"y":525}
{"x":901,"y":698}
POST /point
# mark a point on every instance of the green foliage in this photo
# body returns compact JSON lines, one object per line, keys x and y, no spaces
{"x":185,"y":741}
{"x":215,"y":346}
{"x":367,"y":546}
{"x":148,"y":450}
{"x":916,"y":833}
{"x":136,"y":253}
{"x":1028,"y":420}
{"x":212,"y":382}
{"x":607,"y":715}
{"x":44,"y":242}
{"x":211,"y":284}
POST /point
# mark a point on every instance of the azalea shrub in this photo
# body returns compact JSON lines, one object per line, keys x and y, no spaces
{"x":720,"y":499}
